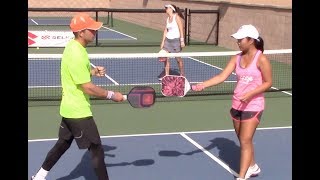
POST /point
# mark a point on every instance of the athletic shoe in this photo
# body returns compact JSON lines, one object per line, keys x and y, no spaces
{"x":32,"y":178}
{"x":253,"y":171}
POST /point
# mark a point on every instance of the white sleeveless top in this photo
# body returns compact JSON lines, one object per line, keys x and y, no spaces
{"x":172,"y":28}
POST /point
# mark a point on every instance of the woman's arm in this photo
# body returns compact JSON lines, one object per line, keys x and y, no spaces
{"x":218,"y":78}
{"x":180,"y":25}
{"x":163,"y":37}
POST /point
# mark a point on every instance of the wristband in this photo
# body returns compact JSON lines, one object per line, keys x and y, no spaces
{"x":110,"y":94}
{"x":182,"y":39}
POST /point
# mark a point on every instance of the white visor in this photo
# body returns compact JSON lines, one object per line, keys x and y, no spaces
{"x":170,"y":6}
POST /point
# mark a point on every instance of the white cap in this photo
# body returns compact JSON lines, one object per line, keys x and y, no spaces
{"x":246,"y":31}
{"x":170,"y":6}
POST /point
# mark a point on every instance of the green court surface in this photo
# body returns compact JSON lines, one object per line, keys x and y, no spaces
{"x":182,"y":116}
{"x":164,"y":116}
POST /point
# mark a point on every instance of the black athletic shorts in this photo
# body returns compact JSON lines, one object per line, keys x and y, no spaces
{"x":245,"y":115}
{"x":83,"y":130}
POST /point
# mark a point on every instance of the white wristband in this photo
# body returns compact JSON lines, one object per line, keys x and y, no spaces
{"x":182,"y":39}
{"x":110,"y":94}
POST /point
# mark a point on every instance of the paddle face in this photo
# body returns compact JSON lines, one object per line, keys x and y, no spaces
{"x":172,"y":85}
{"x":141,"y":97}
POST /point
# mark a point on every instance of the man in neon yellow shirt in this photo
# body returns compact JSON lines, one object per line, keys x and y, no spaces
{"x":77,"y":120}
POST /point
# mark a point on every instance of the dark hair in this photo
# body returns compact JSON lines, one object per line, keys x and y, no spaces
{"x":178,"y":10}
{"x":258,"y":43}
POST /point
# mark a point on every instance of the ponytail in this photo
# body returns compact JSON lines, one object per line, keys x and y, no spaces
{"x":259,"y":44}
{"x":178,"y":10}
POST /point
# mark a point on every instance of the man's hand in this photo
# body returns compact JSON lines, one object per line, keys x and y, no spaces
{"x":98,"y":71}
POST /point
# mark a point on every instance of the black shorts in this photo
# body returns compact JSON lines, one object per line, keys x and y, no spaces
{"x":83,"y":130}
{"x":245,"y":115}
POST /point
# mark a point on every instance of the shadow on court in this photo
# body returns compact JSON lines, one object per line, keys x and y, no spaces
{"x":85,"y":169}
{"x":229,"y":152}
{"x":174,"y":157}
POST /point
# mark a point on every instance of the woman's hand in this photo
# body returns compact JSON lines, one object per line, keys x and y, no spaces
{"x":182,"y":44}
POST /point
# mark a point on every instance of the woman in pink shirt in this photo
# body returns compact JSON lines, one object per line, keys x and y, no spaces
{"x":254,"y":77}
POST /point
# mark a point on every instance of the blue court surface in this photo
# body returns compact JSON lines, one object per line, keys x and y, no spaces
{"x":104,"y":33}
{"x":209,"y":155}
{"x":46,"y":73}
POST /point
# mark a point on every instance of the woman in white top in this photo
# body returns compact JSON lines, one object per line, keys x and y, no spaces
{"x":172,"y":40}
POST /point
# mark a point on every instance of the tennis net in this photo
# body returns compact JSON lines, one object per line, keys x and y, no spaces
{"x":128,"y":70}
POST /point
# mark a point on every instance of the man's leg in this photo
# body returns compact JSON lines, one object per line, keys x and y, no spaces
{"x":61,"y":146}
{"x":52,"y":158}
{"x":97,"y":157}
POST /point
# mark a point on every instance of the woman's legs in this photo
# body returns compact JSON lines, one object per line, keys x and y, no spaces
{"x":245,"y":131}
{"x":167,"y":67}
{"x":180,"y":64}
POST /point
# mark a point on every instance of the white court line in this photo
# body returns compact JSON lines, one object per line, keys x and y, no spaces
{"x":211,"y":66}
{"x":114,"y":82}
{"x":205,"y":63}
{"x":102,"y":27}
{"x":162,"y":134}
{"x":210,"y":155}
{"x":34,"y":21}
{"x":282,"y":91}
{"x":119,"y":32}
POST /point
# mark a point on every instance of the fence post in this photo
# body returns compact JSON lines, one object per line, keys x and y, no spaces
{"x":218,"y":20}
{"x":189,"y":24}
{"x":97,"y":19}
{"x":185,"y":25}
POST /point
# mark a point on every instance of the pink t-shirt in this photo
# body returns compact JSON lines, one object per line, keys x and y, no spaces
{"x":248,"y":79}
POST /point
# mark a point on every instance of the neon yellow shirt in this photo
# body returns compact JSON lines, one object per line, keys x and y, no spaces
{"x":75,"y":70}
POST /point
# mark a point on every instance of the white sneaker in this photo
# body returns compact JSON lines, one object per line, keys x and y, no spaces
{"x":253,"y":171}
{"x":33,"y":178}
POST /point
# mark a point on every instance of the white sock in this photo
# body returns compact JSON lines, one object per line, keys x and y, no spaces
{"x":41,"y":173}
